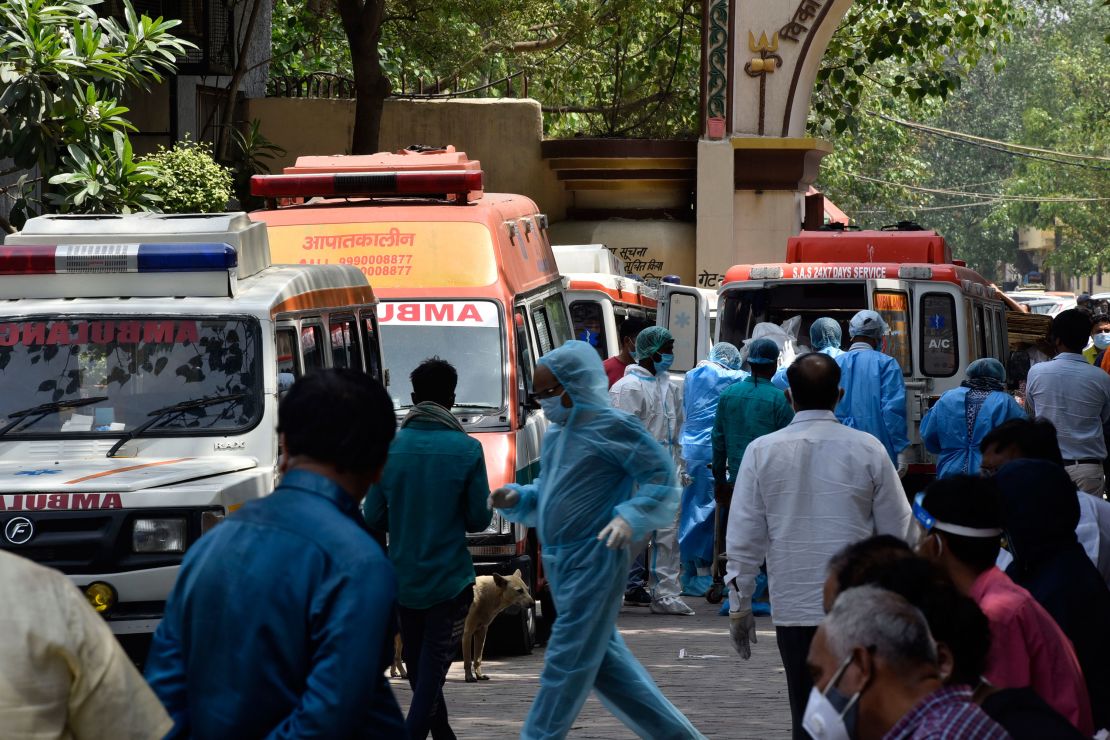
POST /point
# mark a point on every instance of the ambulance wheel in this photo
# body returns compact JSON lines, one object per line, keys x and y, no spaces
{"x":716,"y":593}
{"x":520,"y":633}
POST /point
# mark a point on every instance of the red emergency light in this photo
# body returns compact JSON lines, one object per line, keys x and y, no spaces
{"x":459,"y":183}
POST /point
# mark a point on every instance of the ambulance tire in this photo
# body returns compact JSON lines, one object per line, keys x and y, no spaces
{"x":520,"y":638}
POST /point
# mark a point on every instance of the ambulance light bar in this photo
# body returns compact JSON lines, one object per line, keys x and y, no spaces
{"x":367,"y":184}
{"x":909,"y":272}
{"x":49,"y":259}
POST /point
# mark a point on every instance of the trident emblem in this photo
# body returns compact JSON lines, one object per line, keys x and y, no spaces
{"x":766,"y":63}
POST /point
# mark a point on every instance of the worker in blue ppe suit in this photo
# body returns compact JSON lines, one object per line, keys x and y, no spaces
{"x":604,"y":484}
{"x":824,"y":337}
{"x":701,"y":391}
{"x":955,"y":427}
{"x":874,"y":398}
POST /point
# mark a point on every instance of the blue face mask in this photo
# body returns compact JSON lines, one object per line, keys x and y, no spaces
{"x":554,"y":410}
{"x":1102,"y":340}
{"x":663,"y":364}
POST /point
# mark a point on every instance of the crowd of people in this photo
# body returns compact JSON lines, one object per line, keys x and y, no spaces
{"x":976,"y":608}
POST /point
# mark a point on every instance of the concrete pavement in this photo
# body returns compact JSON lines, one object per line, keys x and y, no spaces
{"x":722,"y":695}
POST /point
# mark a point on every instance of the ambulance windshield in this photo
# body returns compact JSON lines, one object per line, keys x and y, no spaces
{"x":465,"y":333}
{"x":103,"y":375}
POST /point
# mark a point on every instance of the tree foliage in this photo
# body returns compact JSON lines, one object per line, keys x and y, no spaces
{"x":1052,"y":93}
{"x":632,"y":68}
{"x":62,"y":73}
{"x":189,"y":179}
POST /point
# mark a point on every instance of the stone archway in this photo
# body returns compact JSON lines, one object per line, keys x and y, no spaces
{"x":760,"y":62}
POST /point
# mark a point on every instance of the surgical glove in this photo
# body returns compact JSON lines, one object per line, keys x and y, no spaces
{"x":903,"y":463}
{"x":616,"y":533}
{"x":503,"y":498}
{"x":741,"y":628}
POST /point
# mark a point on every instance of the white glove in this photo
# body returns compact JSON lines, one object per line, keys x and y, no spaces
{"x":616,"y":533}
{"x":741,"y":629}
{"x":903,"y":463}
{"x":502,"y":498}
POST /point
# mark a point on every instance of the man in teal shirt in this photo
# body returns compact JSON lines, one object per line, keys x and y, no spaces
{"x":747,"y":410}
{"x":432,"y":492}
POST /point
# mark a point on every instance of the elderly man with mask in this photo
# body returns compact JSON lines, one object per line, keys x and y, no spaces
{"x":601,"y":473}
{"x":701,"y":392}
{"x":876,"y":674}
{"x":874,"y":392}
{"x":964,"y":416}
{"x":825,"y":337}
{"x":647,"y":392}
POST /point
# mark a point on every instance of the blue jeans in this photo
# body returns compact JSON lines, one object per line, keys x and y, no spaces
{"x":430,"y":640}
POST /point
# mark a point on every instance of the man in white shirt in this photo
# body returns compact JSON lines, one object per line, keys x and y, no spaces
{"x":65,"y":675}
{"x":801,"y":494}
{"x":1075,"y":396}
{"x":647,"y":392}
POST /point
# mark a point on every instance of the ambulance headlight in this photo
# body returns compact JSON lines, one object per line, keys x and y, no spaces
{"x":158,"y":535}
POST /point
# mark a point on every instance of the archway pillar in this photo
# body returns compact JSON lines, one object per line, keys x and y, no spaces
{"x":754,"y":162}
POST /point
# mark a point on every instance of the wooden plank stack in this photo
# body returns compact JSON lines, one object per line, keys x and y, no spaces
{"x":1026,"y":329}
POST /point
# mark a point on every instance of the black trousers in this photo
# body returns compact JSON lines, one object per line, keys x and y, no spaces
{"x":430,"y":640}
{"x":794,"y":647}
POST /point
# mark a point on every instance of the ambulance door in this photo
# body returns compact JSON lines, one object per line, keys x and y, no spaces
{"x":684,"y":311}
{"x":891,"y":299}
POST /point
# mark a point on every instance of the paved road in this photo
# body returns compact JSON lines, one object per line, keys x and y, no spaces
{"x":721,"y":694}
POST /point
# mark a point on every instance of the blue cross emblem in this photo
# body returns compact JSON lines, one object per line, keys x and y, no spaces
{"x":682,"y":320}
{"x":936,"y":321}
{"x":44,"y":471}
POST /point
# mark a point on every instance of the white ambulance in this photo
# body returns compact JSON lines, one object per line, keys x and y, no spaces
{"x":601,"y":295}
{"x":142,"y":358}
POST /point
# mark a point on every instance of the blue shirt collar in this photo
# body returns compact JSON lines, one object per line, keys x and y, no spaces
{"x":322,"y":486}
{"x":1073,"y":356}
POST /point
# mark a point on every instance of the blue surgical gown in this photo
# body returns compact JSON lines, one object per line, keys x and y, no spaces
{"x":779,"y":378}
{"x":701,"y":392}
{"x":944,"y":429}
{"x":599,"y":464}
{"x":874,"y":398}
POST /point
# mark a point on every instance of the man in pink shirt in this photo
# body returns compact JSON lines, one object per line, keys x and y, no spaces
{"x":962,"y":522}
{"x":616,"y":365}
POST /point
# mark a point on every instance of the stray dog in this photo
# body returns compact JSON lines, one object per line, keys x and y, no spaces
{"x":492,"y":595}
{"x":397,"y":668}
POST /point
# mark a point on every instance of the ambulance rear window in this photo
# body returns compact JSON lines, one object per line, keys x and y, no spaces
{"x":740,"y":310}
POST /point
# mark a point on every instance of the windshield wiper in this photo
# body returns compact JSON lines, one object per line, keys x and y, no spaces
{"x":177,"y":408}
{"x":43,"y":410}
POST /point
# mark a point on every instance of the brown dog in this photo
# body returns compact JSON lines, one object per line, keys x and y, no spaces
{"x":397,"y":668}
{"x":492,"y":595}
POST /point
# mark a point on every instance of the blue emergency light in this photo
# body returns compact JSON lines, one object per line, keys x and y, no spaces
{"x":58,"y":259}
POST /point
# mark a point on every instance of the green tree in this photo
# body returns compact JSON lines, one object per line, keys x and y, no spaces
{"x":189,"y":180}
{"x":62,"y":72}
{"x":626,"y":67}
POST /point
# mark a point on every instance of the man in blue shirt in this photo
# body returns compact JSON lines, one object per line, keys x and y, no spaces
{"x":433,"y":492}
{"x":282,"y":619}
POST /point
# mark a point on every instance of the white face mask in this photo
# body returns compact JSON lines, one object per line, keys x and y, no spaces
{"x":831,"y":715}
